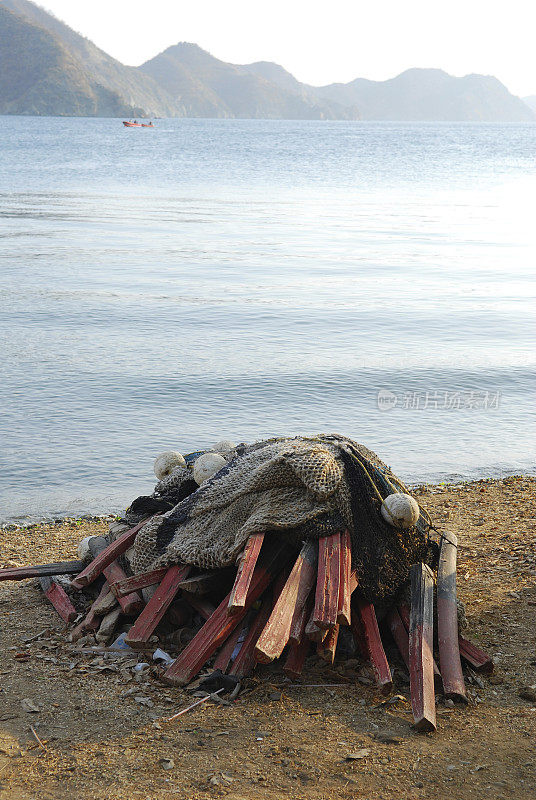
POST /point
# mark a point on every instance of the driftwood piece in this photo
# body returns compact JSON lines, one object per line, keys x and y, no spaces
{"x":291,"y":600}
{"x":157,"y":606}
{"x":109,"y":554}
{"x":421,"y":636}
{"x":41,"y":570}
{"x":104,"y":606}
{"x":327,"y":582}
{"x":447,"y":621}
{"x":216,"y":629}
{"x":59,"y":598}
{"x":344,"y":613}
{"x":374,"y":646}
{"x":246,"y":567}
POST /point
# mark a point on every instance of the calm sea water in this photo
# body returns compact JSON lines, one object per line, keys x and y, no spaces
{"x":239,"y":279}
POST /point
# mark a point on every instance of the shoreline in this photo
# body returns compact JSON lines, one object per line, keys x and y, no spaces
{"x":415,"y":488}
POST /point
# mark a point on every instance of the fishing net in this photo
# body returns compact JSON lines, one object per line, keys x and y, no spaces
{"x":297,"y":487}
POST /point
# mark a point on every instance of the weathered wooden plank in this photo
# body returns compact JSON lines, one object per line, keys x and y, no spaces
{"x":92,"y":620}
{"x":297,"y":653}
{"x":402,"y":615}
{"x":59,"y":598}
{"x":246,"y":567}
{"x":41,"y":570}
{"x":223,"y":659}
{"x":313,"y":631}
{"x":132,"y":603}
{"x":207,"y":582}
{"x":245,"y":662}
{"x":326,"y":649}
{"x":109,"y":554}
{"x":344,"y":612}
{"x":157,"y":606}
{"x":376,"y":653}
{"x":421,"y":635}
{"x":327,"y":582}
{"x":136,"y":582}
{"x":292,"y":598}
{"x":477,"y":658}
{"x":300,"y":620}
{"x":359,"y":634}
{"x":447,"y":622}
{"x":200,"y":604}
{"x":221,"y":623}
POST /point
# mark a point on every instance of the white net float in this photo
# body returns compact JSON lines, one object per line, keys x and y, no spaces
{"x":400,"y":510}
{"x":166,"y":462}
{"x":207,"y":465}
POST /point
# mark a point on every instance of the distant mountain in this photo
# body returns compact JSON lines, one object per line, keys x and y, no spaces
{"x":210,"y":87}
{"x":431,"y":94}
{"x":47,"y":68}
{"x":530,"y":101}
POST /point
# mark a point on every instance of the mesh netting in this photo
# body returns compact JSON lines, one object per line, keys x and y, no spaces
{"x":302,"y":487}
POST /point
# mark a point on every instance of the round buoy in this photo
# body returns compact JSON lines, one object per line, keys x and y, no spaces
{"x":224,"y":446}
{"x":207,"y":465}
{"x":400,"y":510}
{"x":166,"y":462}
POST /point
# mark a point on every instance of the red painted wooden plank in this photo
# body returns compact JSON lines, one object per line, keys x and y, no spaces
{"x":41,"y":570}
{"x":157,"y":606}
{"x":359,"y":634}
{"x":109,"y":554}
{"x":477,"y":658}
{"x":421,"y":636}
{"x":326,"y":649}
{"x":91,"y":621}
{"x":221,"y":623}
{"x":59,"y":599}
{"x":135,"y":582}
{"x":297,"y":653}
{"x":371,"y":633}
{"x":328,"y":579}
{"x":237,"y":598}
{"x":131,"y":604}
{"x":344,"y":613}
{"x":447,"y":622}
{"x":300,"y":620}
{"x":223,"y":659}
{"x":245,"y":662}
{"x":398,"y":620}
{"x":292,"y":598}
{"x":313,"y":631}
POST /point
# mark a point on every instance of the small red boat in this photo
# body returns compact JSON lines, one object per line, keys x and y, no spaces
{"x":137,"y":124}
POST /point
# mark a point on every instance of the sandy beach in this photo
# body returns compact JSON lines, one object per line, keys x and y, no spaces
{"x":102,"y":729}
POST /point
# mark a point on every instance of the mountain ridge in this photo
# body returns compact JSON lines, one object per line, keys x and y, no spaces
{"x":46,"y":68}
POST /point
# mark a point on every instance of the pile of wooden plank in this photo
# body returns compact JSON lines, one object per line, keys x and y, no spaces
{"x":278,"y":603}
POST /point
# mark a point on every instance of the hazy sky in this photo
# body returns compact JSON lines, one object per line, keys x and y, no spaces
{"x":323,"y":42}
